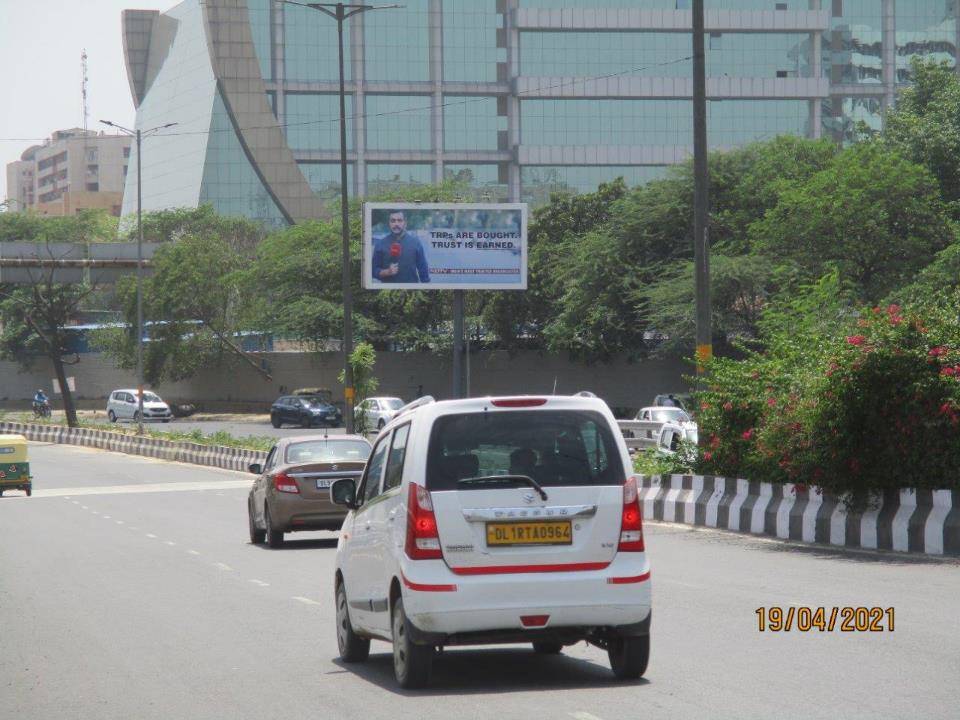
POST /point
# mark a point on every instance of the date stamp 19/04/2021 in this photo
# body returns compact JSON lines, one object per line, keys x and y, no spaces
{"x":823,"y":619}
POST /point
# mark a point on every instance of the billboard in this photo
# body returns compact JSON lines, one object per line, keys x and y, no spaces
{"x":445,"y":246}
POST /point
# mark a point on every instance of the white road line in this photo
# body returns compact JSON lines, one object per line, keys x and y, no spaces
{"x":192,"y":552}
{"x":261,"y":583}
{"x":580,"y":715}
{"x":84,"y":507}
{"x":95,"y":512}
{"x":224,"y":566}
{"x":146,"y":488}
{"x":119,"y":522}
{"x":106,"y":517}
{"x":76,"y":502}
{"x":171,"y":543}
{"x":306,"y":601}
{"x":132,"y":527}
{"x":151,"y":535}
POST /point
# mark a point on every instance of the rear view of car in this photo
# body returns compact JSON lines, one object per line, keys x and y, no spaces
{"x":292,"y":493}
{"x":522,"y":525}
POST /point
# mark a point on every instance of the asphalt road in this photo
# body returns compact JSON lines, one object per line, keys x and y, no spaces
{"x":128,"y":590}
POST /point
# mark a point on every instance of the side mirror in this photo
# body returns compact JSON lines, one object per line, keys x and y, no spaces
{"x":255,"y":468}
{"x":344,"y":492}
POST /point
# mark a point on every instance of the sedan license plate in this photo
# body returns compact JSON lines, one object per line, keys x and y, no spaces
{"x":324,"y":484}
{"x":530,"y":533}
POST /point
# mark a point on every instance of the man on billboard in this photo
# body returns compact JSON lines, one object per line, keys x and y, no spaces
{"x":399,"y":257}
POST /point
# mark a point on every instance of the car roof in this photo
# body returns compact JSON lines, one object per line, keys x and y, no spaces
{"x":438,"y":408}
{"x":133,"y":391}
{"x":290,"y":439}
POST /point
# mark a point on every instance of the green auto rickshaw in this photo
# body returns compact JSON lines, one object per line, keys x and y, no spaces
{"x":14,"y":467}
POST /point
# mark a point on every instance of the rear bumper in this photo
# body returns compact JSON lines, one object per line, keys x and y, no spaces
{"x":442,"y":605}
{"x":289,"y":513}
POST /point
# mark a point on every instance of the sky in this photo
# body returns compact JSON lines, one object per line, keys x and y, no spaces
{"x":40,"y":46}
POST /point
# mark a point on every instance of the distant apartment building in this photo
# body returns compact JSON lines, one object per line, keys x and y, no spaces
{"x":518,"y":98}
{"x":73,"y":170}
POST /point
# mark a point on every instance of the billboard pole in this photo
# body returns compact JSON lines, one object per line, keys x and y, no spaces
{"x":701,"y":199}
{"x":457,"y":344}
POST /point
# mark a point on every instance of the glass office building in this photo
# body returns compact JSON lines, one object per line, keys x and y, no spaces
{"x":518,"y":98}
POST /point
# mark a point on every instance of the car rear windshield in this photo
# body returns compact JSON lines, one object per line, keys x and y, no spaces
{"x":554,"y":447}
{"x":327,"y":451}
{"x":393,"y":403}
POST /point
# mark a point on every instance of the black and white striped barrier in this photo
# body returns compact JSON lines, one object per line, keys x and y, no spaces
{"x":218,"y":456}
{"x":922,"y":521}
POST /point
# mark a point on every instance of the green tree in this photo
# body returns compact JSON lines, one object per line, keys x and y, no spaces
{"x":365,"y":383}
{"x":194,"y":304}
{"x":873,"y":214}
{"x":924,"y":126}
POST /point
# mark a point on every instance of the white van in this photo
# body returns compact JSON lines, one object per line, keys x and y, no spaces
{"x":494,"y":520}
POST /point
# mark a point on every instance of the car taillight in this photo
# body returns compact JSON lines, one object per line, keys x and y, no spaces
{"x":423,"y":540}
{"x":284,"y":483}
{"x":631,"y":522}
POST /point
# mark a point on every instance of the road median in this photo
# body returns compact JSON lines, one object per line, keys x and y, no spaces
{"x":917,"y":521}
{"x":219,"y":456}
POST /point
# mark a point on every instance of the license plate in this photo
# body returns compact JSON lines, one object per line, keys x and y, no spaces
{"x":530,"y":533}
{"x":324,"y":484}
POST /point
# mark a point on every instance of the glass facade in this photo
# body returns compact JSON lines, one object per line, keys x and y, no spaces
{"x":436,"y":82}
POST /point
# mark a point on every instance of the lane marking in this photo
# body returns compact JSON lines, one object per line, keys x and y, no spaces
{"x":132,"y":527}
{"x":151,"y":535}
{"x":119,"y":522}
{"x":192,"y":552}
{"x":95,"y":512}
{"x":581,"y":715}
{"x":224,"y":566}
{"x":106,"y":517}
{"x":76,"y":502}
{"x":145,"y":488}
{"x":84,"y":507}
{"x":171,"y":543}
{"x":261,"y":583}
{"x":305,"y":601}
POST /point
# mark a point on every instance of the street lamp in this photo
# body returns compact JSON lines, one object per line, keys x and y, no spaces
{"x":340,"y":12}
{"x":139,"y":135}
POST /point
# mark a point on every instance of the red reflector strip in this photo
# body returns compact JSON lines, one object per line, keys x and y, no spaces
{"x":519,"y":402}
{"x":534,"y":620}
{"x":628,"y":580}
{"x":508,"y":569}
{"x":419,"y":587}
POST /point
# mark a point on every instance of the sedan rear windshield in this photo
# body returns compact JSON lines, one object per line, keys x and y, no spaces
{"x":327,"y":451}
{"x":554,"y":447}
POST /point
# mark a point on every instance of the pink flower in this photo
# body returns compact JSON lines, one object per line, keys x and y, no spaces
{"x":747,"y":434}
{"x":893,"y":309}
{"x":728,"y":406}
{"x":937,"y":351}
{"x":948,"y":371}
{"x":708,"y":456}
{"x":856,"y":339}
{"x":771,"y":401}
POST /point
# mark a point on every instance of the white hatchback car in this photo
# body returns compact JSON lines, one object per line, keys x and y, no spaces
{"x":123,"y":405}
{"x":494,"y":520}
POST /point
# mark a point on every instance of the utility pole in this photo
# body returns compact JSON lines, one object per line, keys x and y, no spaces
{"x":340,"y":12}
{"x":139,"y":135}
{"x":701,"y":192}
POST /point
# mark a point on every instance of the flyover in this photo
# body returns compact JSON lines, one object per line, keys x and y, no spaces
{"x":27,"y":263}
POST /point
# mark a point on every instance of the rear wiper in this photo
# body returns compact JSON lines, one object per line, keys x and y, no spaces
{"x":494,"y":479}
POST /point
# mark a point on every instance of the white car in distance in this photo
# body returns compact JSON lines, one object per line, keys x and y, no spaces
{"x":494,"y":520}
{"x":123,"y":405}
{"x":674,"y":416}
{"x":377,"y":411}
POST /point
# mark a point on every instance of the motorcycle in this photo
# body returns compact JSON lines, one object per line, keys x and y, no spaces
{"x":41,"y":410}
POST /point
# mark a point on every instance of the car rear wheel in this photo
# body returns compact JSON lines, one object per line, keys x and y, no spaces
{"x":29,"y":490}
{"x":412,"y":663}
{"x":112,"y":416}
{"x":275,"y":421}
{"x":257,"y":536}
{"x":629,"y":656}
{"x":547,"y":648}
{"x":274,"y":536}
{"x":353,"y":648}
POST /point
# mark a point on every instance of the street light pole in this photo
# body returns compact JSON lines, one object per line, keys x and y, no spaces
{"x":701,"y":197}
{"x":340,"y":12}
{"x":139,"y":135}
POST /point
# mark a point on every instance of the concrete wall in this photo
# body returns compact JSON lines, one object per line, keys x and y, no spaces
{"x":237,"y":386}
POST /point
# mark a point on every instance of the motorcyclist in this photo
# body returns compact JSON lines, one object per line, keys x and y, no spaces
{"x":40,"y":401}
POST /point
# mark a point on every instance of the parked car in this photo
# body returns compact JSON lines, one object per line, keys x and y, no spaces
{"x":675,"y":417}
{"x":123,"y":405}
{"x":377,"y":411}
{"x":680,"y":400}
{"x":291,"y":492}
{"x":494,"y":520}
{"x":305,"y":411}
